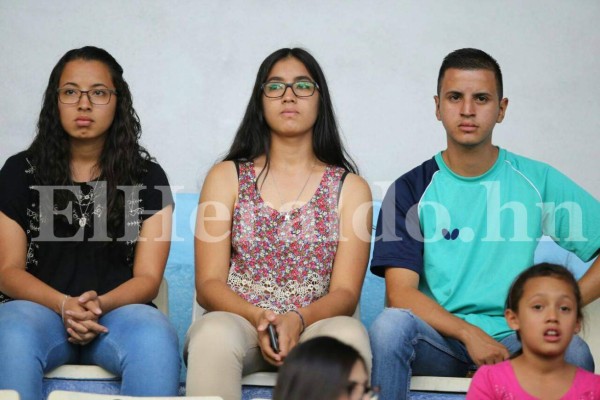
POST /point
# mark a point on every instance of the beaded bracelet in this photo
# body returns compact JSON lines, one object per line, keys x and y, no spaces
{"x":301,"y":319}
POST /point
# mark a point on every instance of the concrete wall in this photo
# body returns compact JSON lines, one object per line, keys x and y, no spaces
{"x":191,"y":65}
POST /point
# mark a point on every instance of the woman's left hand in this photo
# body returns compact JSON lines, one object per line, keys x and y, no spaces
{"x":289,"y":330}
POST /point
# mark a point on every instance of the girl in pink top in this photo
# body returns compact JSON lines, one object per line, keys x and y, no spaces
{"x":544,"y":307}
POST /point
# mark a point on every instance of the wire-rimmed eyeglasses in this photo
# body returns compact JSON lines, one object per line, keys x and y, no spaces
{"x":275,"y":90}
{"x":98,"y":96}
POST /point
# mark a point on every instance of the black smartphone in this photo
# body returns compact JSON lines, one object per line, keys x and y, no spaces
{"x":273,"y":338}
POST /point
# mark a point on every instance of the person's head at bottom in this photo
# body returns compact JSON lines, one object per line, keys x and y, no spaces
{"x":323,"y":368}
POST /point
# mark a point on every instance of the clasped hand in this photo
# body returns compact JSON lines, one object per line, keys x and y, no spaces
{"x":288,"y":327}
{"x":80,"y":317}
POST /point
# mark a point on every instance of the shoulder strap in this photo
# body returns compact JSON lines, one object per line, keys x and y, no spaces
{"x":342,"y":178}
{"x":237,"y":167}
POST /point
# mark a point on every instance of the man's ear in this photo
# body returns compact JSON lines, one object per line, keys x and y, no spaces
{"x":512,"y":319}
{"x":503,"y":107}
{"x":437,"y":108}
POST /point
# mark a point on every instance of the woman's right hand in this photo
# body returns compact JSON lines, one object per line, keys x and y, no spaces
{"x":265,"y":318}
{"x":482,"y":348}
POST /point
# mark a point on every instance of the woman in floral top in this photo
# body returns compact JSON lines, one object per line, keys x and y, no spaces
{"x":282,"y":233}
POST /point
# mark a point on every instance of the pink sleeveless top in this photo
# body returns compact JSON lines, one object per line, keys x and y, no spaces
{"x":283,"y":260}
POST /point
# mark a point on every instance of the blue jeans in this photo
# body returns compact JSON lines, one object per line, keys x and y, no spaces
{"x":141,"y":347}
{"x":404,"y":345}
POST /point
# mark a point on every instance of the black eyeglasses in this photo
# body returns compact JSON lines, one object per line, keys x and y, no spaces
{"x":274,"y":90}
{"x":361,"y":389}
{"x":99,"y":96}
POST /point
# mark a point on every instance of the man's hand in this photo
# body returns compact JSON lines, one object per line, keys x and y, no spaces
{"x":482,"y":348}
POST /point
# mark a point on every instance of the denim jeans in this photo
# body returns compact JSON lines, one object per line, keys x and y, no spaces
{"x":404,"y":345}
{"x":141,"y":346}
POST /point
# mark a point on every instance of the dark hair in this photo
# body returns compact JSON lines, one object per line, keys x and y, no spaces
{"x":122,"y":160}
{"x":317,"y":369}
{"x":471,"y":59}
{"x":253,"y":137}
{"x":515,"y":293}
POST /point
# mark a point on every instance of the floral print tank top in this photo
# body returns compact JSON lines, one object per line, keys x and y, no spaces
{"x":283,"y":260}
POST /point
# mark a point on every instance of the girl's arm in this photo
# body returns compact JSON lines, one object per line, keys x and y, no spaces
{"x":349,"y":265}
{"x":19,"y":284}
{"x":151,"y":252}
{"x":15,"y":281}
{"x":150,"y":258}
{"x":212,"y":244}
{"x":352,"y":255}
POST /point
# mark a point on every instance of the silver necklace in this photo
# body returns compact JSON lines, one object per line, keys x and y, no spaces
{"x":287,"y":213}
{"x":82,"y":219}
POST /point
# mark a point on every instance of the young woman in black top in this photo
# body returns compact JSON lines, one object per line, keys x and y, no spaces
{"x":85,"y":222}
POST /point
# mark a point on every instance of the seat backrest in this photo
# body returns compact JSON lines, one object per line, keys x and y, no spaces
{"x":7,"y":394}
{"x":162,"y":299}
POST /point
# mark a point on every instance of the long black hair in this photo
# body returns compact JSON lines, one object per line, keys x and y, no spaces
{"x":253,"y":137}
{"x":317,"y":369}
{"x":122,"y":160}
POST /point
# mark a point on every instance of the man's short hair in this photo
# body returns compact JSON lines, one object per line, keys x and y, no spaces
{"x":471,"y":59}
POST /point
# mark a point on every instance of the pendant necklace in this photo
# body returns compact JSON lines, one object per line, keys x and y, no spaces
{"x":287,"y":214}
{"x":83,"y":218}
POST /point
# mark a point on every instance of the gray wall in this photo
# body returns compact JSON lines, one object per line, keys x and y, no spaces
{"x":191,"y":65}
